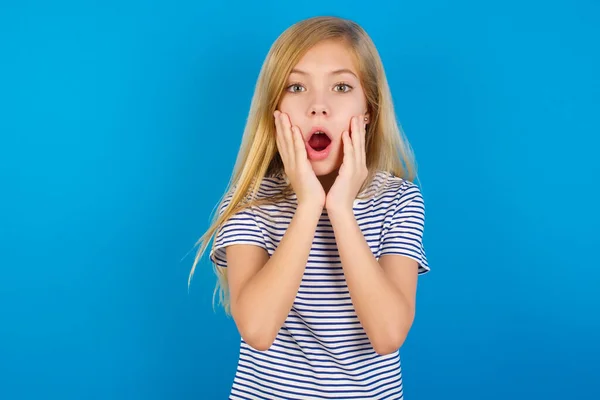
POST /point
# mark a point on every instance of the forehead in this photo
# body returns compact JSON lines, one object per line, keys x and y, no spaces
{"x":327,"y":56}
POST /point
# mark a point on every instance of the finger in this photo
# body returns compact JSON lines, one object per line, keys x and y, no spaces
{"x":355,"y":124}
{"x":299,"y":146}
{"x":288,"y":140}
{"x":352,"y":138}
{"x":363,"y":135}
{"x":348,"y":150}
{"x":279,"y":137}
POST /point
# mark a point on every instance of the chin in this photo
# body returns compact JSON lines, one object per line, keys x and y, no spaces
{"x":324,"y":165}
{"x":324,"y":168}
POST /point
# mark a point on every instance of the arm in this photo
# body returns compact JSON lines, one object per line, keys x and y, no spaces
{"x":383,"y":293}
{"x":263,"y":289}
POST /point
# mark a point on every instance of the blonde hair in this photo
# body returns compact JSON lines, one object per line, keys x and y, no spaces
{"x":386,"y":147}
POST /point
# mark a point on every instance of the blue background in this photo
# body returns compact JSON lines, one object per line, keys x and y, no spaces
{"x":119,"y":128}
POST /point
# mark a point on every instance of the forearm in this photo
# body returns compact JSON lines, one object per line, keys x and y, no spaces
{"x":266,"y":299}
{"x":384,"y":312}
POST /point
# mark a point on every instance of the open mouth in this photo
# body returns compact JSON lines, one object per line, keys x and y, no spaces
{"x":319,"y":141}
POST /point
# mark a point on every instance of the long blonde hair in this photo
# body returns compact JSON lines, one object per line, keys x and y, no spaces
{"x":386,"y":147}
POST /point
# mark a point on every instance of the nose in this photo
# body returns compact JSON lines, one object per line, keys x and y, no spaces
{"x":318,"y":105}
{"x":319,"y":109}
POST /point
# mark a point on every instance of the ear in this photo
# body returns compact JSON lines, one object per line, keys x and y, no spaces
{"x":367,"y":118}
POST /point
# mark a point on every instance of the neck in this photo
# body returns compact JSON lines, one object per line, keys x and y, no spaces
{"x":328,"y":180}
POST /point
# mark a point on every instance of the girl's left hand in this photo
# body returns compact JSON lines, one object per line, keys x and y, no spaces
{"x":353,"y":172}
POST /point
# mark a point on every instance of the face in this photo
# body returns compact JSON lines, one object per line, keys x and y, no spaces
{"x":323,"y":93}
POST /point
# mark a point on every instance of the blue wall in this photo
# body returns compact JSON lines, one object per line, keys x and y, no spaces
{"x":119,"y":128}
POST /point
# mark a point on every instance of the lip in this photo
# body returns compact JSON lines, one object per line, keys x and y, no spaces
{"x":318,"y":129}
{"x":314,"y":155}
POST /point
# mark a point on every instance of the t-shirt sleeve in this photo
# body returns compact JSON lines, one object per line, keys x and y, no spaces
{"x":404,"y":233}
{"x":240,"y":228}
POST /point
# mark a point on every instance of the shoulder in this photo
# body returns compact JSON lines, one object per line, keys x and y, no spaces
{"x":394,"y":191}
{"x":269,"y":187}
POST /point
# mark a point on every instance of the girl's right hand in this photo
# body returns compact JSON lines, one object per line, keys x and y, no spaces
{"x":297,"y":167}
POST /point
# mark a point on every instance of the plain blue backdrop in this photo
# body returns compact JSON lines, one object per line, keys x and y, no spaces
{"x":120,"y":124}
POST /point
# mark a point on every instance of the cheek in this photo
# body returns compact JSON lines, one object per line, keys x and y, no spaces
{"x":347,"y":108}
{"x":289,"y":105}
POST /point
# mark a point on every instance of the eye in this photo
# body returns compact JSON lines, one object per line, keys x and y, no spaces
{"x":294,"y":87}
{"x":345,"y":87}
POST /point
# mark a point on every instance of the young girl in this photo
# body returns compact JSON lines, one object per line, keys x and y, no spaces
{"x":319,"y":236}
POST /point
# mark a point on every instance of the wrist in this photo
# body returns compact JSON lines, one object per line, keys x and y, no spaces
{"x":308,"y":208}
{"x":341,"y":211}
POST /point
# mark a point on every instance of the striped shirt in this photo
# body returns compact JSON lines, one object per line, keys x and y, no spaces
{"x":321,"y":351}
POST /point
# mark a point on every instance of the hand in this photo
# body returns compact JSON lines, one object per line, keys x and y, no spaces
{"x":353,"y":172}
{"x":298,"y":169}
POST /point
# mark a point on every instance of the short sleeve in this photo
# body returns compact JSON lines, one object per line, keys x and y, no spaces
{"x":240,"y":228}
{"x":404,"y":233}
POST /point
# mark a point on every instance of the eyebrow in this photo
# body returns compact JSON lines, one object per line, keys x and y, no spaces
{"x":335,"y":72}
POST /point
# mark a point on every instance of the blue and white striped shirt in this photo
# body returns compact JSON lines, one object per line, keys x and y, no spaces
{"x":321,"y":351}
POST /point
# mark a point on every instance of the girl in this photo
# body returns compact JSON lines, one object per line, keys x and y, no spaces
{"x":319,"y":236}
